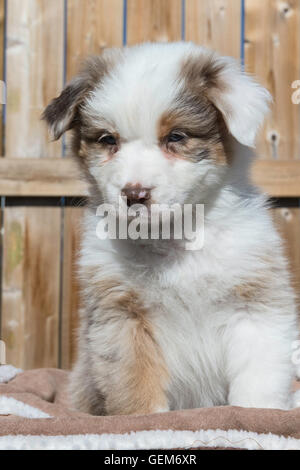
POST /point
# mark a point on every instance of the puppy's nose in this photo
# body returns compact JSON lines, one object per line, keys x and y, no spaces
{"x":135,"y":194}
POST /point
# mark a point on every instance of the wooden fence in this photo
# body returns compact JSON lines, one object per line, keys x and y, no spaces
{"x":41,"y":44}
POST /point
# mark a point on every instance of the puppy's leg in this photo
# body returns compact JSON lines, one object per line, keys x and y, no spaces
{"x":259,"y":366}
{"x":125,"y":360}
{"x":135,"y":381}
{"x":84,"y":395}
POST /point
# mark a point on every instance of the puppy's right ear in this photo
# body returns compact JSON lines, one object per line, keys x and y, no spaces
{"x":61,"y":112}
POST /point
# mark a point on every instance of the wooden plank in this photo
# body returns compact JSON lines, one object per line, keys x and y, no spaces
{"x":272,"y":53}
{"x":40,"y":177}
{"x":215,"y":24}
{"x":153,"y":20}
{"x":30,"y":300}
{"x":277,"y":178}
{"x":288,"y":223}
{"x":70,"y":305}
{"x":34,"y":61}
{"x":60,"y":177}
{"x":30,"y":303}
{"x":2,"y":87}
{"x":92,"y":26}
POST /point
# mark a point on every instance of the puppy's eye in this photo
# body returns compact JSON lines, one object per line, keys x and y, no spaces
{"x":108,"y":139}
{"x":175,"y":137}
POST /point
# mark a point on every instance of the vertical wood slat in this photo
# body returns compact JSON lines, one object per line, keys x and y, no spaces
{"x":34,"y":72}
{"x":272,"y":53}
{"x":34,"y":58}
{"x":2,"y":200}
{"x":288,"y":223}
{"x":155,"y":20}
{"x":215,"y":24}
{"x":92,"y":26}
{"x":2,"y":32}
{"x":30,"y":287}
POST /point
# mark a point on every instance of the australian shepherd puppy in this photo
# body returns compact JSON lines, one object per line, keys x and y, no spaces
{"x":164,"y":327}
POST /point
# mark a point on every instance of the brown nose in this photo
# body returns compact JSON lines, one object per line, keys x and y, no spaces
{"x":135,"y":194}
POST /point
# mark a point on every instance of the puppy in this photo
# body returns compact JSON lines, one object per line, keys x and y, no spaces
{"x":163,"y":327}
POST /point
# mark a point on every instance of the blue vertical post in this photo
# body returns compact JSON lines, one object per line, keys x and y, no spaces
{"x":183,"y":20}
{"x":243,"y":33}
{"x":124,"y":22}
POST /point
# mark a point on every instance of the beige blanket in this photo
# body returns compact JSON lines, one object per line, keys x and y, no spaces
{"x":35,"y":414}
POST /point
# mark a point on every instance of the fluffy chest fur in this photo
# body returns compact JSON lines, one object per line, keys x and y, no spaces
{"x":161,"y":327}
{"x":194,"y":300}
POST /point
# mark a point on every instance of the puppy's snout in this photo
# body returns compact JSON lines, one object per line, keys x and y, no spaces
{"x":135,"y":194}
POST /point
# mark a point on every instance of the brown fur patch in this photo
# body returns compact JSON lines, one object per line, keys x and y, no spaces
{"x":62,"y":113}
{"x":250,"y":290}
{"x":256,"y":289}
{"x":142,"y":376}
{"x":204,"y":129}
{"x":139,"y":373}
{"x":196,"y":114}
{"x":202,"y":74}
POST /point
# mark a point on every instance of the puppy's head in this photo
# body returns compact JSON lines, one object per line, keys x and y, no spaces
{"x":153,"y":122}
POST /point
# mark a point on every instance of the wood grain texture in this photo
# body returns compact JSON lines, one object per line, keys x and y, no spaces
{"x":277,"y":178}
{"x":288,"y":223}
{"x":272,"y":53}
{"x":40,"y":177}
{"x":34,"y":64}
{"x":92,"y":26}
{"x":30,"y":302}
{"x":2,"y":85}
{"x":215,"y":24}
{"x":60,"y":177}
{"x":153,"y":20}
{"x":70,"y":304}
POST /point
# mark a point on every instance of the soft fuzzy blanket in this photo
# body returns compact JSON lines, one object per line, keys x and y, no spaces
{"x":35,"y":414}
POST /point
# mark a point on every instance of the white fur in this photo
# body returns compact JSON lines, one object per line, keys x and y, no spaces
{"x":244,"y":105}
{"x":219,"y":349}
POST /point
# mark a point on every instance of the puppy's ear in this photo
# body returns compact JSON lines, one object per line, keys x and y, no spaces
{"x":60,"y":114}
{"x":242,"y":102}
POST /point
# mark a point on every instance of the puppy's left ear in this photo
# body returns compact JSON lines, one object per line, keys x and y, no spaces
{"x":241,"y":100}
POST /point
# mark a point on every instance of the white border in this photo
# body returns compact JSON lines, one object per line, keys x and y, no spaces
{"x":152,"y":440}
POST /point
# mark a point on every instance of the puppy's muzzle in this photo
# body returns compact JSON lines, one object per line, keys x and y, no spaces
{"x":136,"y":194}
